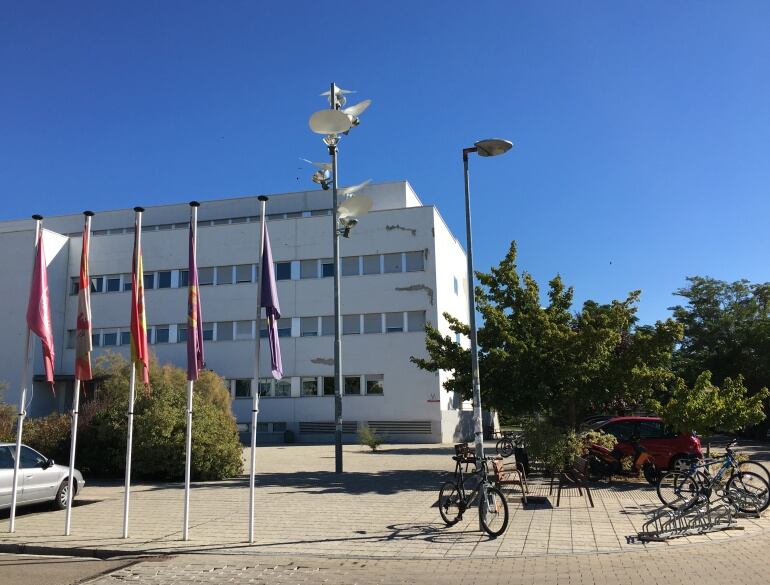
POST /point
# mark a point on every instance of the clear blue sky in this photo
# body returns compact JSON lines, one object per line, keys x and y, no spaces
{"x":641,"y":129}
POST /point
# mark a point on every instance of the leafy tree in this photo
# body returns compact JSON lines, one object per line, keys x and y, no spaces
{"x":706,"y":408}
{"x":536,"y":358}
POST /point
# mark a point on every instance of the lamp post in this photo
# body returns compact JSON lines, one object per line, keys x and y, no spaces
{"x":331,"y":123}
{"x":488,"y":147}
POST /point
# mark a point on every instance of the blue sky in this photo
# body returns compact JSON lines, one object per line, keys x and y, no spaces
{"x":641,"y":129}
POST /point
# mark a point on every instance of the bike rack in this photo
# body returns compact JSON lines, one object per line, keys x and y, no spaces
{"x":704,"y":516}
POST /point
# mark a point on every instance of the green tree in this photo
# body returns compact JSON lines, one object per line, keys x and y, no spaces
{"x":536,"y":358}
{"x":705,"y":408}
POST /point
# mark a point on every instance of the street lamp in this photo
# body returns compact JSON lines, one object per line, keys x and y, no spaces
{"x":488,"y":147}
{"x":331,"y":123}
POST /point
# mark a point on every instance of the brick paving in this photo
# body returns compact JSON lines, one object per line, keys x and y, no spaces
{"x":383,"y":508}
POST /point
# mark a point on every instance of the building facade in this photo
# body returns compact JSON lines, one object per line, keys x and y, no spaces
{"x":401,"y":267}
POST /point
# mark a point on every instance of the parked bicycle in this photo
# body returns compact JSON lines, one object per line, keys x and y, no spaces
{"x":506,"y":446}
{"x":747,"y":491}
{"x":469,"y":488}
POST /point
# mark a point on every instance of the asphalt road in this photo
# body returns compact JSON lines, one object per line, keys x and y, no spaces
{"x":40,"y":570}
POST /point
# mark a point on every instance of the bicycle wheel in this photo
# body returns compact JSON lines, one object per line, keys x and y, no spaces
{"x":493,"y":511}
{"x":504,"y":447}
{"x":449,"y":503}
{"x":748,"y":492}
{"x":677,"y":490}
{"x":755,"y":467}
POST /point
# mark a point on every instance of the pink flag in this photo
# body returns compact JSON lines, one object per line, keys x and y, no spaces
{"x":272,"y":308}
{"x":39,"y":309}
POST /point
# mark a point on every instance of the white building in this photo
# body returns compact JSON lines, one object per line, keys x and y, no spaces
{"x":400,"y":267}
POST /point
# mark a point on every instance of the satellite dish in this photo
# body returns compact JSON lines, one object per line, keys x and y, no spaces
{"x":350,"y":190}
{"x":324,"y":166}
{"x":358,"y":109}
{"x":329,"y":122}
{"x":339,"y":93}
{"x":356,"y":206}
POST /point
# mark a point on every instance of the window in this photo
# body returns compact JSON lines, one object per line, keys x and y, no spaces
{"x":308,"y":269}
{"x":373,"y":323}
{"x":242,"y":427}
{"x":415,"y":320}
{"x":161,"y":334}
{"x":74,"y":285}
{"x":284,"y":327}
{"x":30,"y":458}
{"x":308,"y":326}
{"x":394,"y":322}
{"x":181,"y":333}
{"x":223,"y":221}
{"x":243,"y":330}
{"x":205,"y":276}
{"x":6,"y":459}
{"x":622,"y":430}
{"x":279,"y":427}
{"x":224,"y":275}
{"x":272,"y":216}
{"x":328,"y":385}
{"x":316,"y":212}
{"x":351,"y":325}
{"x":97,"y":284}
{"x":372,"y":264}
{"x":350,"y":266}
{"x":457,"y":285}
{"x":71,"y":339}
{"x":224,"y":331}
{"x":283,"y":388}
{"x":374,"y":385}
{"x":164,"y":227}
{"x":309,"y":387}
{"x":243,"y":388}
{"x":238,"y":220}
{"x":149,"y":280}
{"x":113,"y":283}
{"x":293,"y":214}
{"x":283,"y":270}
{"x":458,"y":338}
{"x":262,"y":427}
{"x":392,"y":263}
{"x":208,"y":332}
{"x":353,"y":385}
{"x":327,"y":325}
{"x":650,"y":429}
{"x":184,"y":278}
{"x":96,"y":339}
{"x":415,"y":261}
{"x":110,"y":339}
{"x":327,"y":267}
{"x":265,"y":385}
{"x":243,"y":273}
{"x":127,"y":282}
{"x":125,"y":338}
{"x":164,"y":279}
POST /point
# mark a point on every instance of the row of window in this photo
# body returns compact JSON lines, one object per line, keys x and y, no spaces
{"x":209,"y":222}
{"x":353,"y":385}
{"x":395,"y":322}
{"x":247,"y":273}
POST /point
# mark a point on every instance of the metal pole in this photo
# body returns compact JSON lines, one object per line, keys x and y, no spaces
{"x":477,"y":423}
{"x":255,"y":382}
{"x":337,"y":306}
{"x":75,"y":408}
{"x":190,"y":386}
{"x":23,"y":398}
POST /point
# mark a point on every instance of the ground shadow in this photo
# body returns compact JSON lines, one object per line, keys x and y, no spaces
{"x":43,"y":507}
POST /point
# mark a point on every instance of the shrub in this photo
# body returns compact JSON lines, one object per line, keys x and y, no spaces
{"x":552,"y":446}
{"x":369,"y":438}
{"x":600,"y":438}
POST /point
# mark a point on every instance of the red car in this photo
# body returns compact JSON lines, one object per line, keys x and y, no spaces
{"x":668,"y":449}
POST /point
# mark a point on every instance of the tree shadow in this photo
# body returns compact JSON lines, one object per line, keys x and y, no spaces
{"x":43,"y":507}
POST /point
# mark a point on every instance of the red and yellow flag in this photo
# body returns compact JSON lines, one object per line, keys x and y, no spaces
{"x":140,"y":354}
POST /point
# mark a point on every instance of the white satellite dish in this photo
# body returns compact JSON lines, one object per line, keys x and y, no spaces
{"x":339,"y":93}
{"x":355,"y":206}
{"x":329,"y":122}
{"x":324,"y":166}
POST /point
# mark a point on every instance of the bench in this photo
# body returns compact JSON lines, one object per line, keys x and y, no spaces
{"x":575,"y":475}
{"x":510,"y":474}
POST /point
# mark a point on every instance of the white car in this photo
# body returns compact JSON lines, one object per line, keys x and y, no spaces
{"x":40,"y":479}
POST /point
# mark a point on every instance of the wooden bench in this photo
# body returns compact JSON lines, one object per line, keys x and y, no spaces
{"x":576,"y":475}
{"x":510,"y":475}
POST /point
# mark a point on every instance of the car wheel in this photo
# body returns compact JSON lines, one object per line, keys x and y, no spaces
{"x":680,"y":463}
{"x":60,"y":501}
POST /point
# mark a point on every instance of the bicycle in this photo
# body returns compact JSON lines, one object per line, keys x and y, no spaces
{"x":506,"y":446}
{"x":454,"y":499}
{"x":747,"y":491}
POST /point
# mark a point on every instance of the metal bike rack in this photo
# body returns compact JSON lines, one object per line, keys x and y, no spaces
{"x":704,"y":516}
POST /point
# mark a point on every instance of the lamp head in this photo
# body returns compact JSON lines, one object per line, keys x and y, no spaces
{"x":347,"y":223}
{"x":493,"y":146}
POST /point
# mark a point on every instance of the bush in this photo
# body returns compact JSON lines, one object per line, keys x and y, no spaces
{"x":600,"y":438}
{"x":369,"y":438}
{"x":552,"y":446}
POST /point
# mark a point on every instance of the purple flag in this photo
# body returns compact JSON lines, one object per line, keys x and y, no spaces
{"x":194,"y":316}
{"x":272,"y":309}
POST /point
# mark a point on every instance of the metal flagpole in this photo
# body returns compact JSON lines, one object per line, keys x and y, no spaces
{"x":132,"y":384}
{"x":188,"y":439}
{"x":23,"y":398}
{"x":75,"y":409}
{"x":255,"y":383}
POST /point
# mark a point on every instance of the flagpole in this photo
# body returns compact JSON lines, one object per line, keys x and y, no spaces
{"x":190,"y":384}
{"x":132,"y":384}
{"x":76,"y":405}
{"x":255,"y":385}
{"x":23,"y":398}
